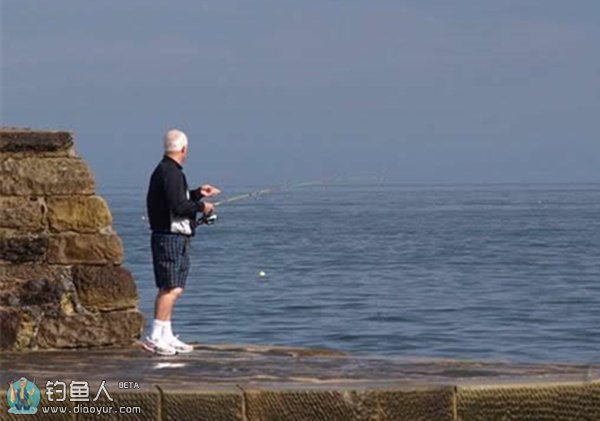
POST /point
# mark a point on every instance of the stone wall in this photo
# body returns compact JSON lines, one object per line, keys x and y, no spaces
{"x":61,"y":280}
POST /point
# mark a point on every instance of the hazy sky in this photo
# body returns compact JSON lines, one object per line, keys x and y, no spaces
{"x":278,"y":91}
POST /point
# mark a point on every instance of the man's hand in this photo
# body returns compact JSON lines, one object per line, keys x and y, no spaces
{"x":208,"y":191}
{"x":209,"y":208}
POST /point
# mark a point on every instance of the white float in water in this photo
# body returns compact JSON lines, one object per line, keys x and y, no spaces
{"x":262,"y":274}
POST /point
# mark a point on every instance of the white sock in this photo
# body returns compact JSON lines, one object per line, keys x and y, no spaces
{"x":167,"y":333}
{"x":158,"y":328}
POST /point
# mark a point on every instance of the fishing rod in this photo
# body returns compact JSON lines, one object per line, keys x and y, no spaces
{"x":211,"y":218}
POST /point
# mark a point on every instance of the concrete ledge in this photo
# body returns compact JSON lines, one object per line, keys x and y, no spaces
{"x":252,"y":383}
{"x":555,"y":401}
{"x":559,"y":401}
{"x":340,"y":403}
{"x":218,"y":404}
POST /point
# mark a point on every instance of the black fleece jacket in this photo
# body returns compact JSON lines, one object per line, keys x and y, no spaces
{"x":168,"y":197}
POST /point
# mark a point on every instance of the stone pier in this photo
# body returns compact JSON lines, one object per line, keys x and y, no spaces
{"x":61,"y":280}
{"x":255,"y":383}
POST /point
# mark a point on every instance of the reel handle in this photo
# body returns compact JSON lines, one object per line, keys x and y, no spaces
{"x":208,"y":219}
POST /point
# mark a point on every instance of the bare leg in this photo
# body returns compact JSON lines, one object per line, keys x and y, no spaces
{"x":165,"y":301}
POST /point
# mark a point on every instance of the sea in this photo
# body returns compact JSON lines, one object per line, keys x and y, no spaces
{"x":477,"y":272}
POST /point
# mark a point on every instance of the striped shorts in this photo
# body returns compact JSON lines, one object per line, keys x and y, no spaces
{"x":171,"y":259}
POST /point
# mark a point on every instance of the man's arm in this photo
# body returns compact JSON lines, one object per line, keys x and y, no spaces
{"x":206,"y":190}
{"x":196,"y":195}
{"x":177,"y":199}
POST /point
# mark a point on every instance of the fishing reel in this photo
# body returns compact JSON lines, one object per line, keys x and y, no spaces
{"x":207,"y":219}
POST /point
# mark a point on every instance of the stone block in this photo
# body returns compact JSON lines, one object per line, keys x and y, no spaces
{"x":78,"y":213}
{"x":302,"y":405}
{"x":105,"y":287}
{"x":85,"y":249}
{"x":21,"y":213}
{"x":10,"y":291}
{"x":183,"y":405}
{"x":547,"y":401}
{"x":78,"y":330}
{"x":30,"y":301}
{"x":124,"y":327}
{"x":426,"y":403}
{"x":92,"y":329}
{"x":405,"y":403}
{"x":49,"y":296}
{"x":38,"y":176}
{"x":36,"y":292}
{"x":20,"y":248}
{"x":18,"y":140}
{"x":10,"y":323}
{"x":32,"y":271}
{"x":17,"y":327}
{"x":49,"y":287}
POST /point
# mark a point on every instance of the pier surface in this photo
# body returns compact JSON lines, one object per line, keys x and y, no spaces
{"x":242,"y":382}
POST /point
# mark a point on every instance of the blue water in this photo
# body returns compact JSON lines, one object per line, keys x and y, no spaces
{"x":477,"y":272}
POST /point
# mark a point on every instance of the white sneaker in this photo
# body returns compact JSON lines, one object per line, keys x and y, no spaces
{"x":179,"y":346}
{"x":160,"y":347}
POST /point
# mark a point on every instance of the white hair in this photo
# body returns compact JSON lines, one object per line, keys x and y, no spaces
{"x":175,"y":140}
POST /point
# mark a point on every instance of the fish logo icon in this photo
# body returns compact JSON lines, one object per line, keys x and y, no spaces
{"x":23,"y":396}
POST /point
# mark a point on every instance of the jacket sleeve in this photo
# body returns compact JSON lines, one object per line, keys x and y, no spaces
{"x":177,"y":199}
{"x":195,"y":195}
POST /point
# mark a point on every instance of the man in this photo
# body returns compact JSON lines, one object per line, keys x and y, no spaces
{"x":172,"y":210}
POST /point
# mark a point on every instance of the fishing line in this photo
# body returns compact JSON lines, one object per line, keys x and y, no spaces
{"x":212,"y":218}
{"x":270,"y":191}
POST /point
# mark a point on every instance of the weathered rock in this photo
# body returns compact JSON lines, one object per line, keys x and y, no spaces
{"x":85,"y":249}
{"x":19,"y":248}
{"x":93,"y":329}
{"x":124,"y":327}
{"x":71,"y":331}
{"x":49,"y":296}
{"x":10,"y":323}
{"x":10,"y":291}
{"x":31,"y":271}
{"x":50,"y":220}
{"x":23,"y":213}
{"x":42,"y":292}
{"x":105,"y":287}
{"x":17,"y":327}
{"x":35,"y":176}
{"x":18,"y":140}
{"x":14,"y":278}
{"x":78,"y":213}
